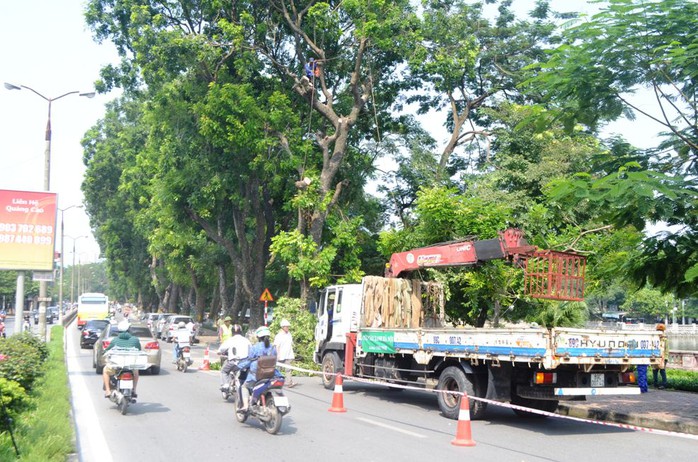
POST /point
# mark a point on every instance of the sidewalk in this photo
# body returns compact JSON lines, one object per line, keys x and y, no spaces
{"x":675,"y":411}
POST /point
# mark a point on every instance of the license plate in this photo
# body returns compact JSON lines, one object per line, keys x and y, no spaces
{"x":597,"y":380}
{"x":126,"y":384}
{"x":280,"y":401}
{"x":187,"y":354}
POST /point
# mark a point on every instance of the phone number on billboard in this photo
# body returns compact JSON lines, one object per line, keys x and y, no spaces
{"x":25,"y":239}
{"x":24,"y":228}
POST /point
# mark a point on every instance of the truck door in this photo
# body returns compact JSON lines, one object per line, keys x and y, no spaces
{"x":325,"y":313}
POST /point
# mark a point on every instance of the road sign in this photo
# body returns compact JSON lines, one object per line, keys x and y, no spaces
{"x":266,"y":296}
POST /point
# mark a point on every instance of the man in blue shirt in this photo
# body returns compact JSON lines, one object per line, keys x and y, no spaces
{"x":263,"y":347}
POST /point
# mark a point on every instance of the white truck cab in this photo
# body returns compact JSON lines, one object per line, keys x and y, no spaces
{"x":338,"y":313}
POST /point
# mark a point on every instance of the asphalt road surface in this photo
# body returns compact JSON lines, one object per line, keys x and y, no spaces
{"x":181,"y":416}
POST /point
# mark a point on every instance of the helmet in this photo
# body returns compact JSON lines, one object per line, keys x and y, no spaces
{"x":285,"y":323}
{"x":181,"y":325}
{"x":661,"y":327}
{"x":262,"y":331}
{"x":227,"y":318}
{"x":123,"y":326}
{"x":237,"y":329}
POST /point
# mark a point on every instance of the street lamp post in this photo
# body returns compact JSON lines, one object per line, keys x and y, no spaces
{"x":72,"y":270}
{"x":47,"y":186}
{"x":60,"y":288}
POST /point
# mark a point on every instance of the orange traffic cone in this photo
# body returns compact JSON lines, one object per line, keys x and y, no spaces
{"x":463,"y":433}
{"x":338,"y":396}
{"x":207,"y":362}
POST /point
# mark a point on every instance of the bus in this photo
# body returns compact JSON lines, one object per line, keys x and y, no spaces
{"x":92,"y":306}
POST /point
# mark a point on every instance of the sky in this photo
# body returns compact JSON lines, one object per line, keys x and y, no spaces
{"x":46,"y":46}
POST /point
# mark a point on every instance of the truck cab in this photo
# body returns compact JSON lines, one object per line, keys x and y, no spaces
{"x":338,"y":312}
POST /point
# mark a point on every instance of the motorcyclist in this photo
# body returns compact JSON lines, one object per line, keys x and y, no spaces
{"x":124,"y":341}
{"x":263,"y":347}
{"x":181,"y":338}
{"x":235,"y":348}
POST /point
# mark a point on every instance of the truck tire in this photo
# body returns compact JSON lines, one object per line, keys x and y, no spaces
{"x":331,"y":365}
{"x":454,"y":379}
{"x":547,"y":405}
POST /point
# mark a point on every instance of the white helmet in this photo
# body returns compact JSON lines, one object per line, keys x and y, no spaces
{"x":123,"y":326}
{"x":181,"y":325}
{"x":262,"y":331}
{"x":285,"y":323}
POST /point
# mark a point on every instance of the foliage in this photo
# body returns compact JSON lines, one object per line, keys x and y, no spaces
{"x":592,"y":78}
{"x":555,"y":314}
{"x":24,"y":360}
{"x":682,"y":380}
{"x":302,"y":328}
{"x":34,"y":342}
{"x":470,"y":62}
{"x":45,"y":431}
{"x":14,"y":401}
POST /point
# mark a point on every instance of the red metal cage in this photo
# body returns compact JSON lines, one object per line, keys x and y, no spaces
{"x":555,"y":275}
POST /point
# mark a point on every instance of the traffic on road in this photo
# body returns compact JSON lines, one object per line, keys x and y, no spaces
{"x":178,"y":414}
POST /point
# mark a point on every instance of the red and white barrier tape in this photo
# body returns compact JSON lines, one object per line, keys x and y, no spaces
{"x":506,"y":405}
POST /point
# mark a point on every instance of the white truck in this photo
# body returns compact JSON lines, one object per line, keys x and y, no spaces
{"x":394,"y":330}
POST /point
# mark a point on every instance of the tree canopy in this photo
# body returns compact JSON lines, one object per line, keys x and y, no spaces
{"x":224,"y":168}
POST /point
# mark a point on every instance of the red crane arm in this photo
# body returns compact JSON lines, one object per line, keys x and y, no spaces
{"x":510,"y":244}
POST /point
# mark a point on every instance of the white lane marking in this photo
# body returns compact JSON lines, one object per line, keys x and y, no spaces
{"x":391,"y":427}
{"x":92,"y":445}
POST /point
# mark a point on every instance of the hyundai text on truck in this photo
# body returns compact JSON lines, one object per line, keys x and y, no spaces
{"x":394,"y":330}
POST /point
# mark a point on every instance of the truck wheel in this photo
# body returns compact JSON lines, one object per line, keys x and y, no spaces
{"x":454,"y":379}
{"x":331,"y":365}
{"x":547,"y":405}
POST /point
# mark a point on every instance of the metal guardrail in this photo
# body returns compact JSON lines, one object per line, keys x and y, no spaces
{"x":672,"y":329}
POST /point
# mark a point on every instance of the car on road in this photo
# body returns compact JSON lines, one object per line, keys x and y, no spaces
{"x":90,"y":332}
{"x":51,"y":314}
{"x":158,"y":323}
{"x":149,"y":319}
{"x":171,"y":325}
{"x":149,"y":344}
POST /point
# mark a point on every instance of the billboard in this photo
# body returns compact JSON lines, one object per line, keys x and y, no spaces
{"x":27,"y":230}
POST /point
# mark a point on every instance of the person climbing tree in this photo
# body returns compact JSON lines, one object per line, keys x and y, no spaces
{"x":311,"y":69}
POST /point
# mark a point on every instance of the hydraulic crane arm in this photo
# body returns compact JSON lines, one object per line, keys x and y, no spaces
{"x":548,"y":274}
{"x":509,"y":245}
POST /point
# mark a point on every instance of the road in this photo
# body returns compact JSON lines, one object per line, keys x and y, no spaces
{"x":181,"y":416}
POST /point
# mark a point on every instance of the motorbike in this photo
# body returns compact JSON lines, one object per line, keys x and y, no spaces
{"x":267,"y":403}
{"x":122,"y":389}
{"x":184,"y":358}
{"x":121,"y":383}
{"x":231,"y":391}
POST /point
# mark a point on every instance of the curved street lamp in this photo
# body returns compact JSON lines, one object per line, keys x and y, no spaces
{"x":47,"y":185}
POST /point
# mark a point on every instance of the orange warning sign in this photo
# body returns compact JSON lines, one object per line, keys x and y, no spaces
{"x":266,"y":296}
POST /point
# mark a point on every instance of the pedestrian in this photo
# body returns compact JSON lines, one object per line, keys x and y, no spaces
{"x":661,"y":367}
{"x":284,"y":349}
{"x":642,"y":377}
{"x":225,"y":330}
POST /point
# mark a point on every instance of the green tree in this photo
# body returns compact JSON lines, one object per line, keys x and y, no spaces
{"x":469,"y":62}
{"x":591,"y":78}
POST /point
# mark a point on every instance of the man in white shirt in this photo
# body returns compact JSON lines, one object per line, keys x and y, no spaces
{"x":236,"y":348}
{"x":284,"y":349}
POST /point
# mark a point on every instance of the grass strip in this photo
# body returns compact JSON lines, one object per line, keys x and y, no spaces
{"x":45,"y":432}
